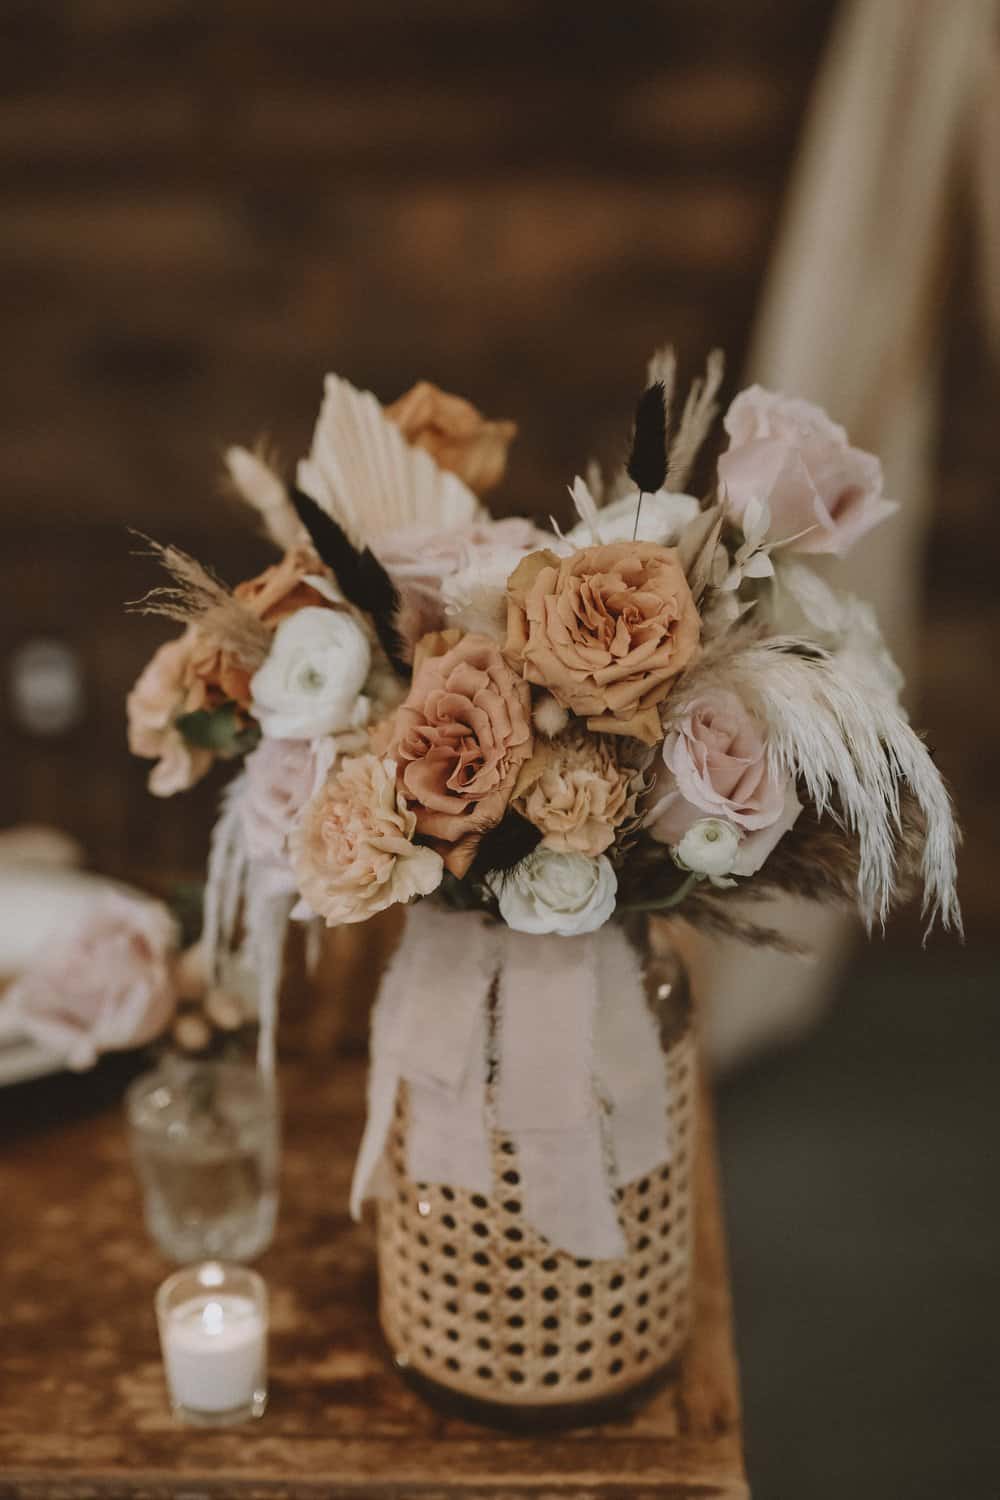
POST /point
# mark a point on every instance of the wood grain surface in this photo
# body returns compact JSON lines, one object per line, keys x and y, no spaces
{"x":83,"y":1411}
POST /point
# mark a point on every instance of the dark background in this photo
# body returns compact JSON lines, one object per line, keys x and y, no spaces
{"x":205,"y":206}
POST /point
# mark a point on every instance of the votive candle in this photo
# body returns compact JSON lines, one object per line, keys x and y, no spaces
{"x":213,"y":1334}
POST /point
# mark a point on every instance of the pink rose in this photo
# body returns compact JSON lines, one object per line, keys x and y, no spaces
{"x":281,"y":776}
{"x":459,"y":741}
{"x":715,"y":766}
{"x":423,"y":558}
{"x":788,"y":454}
{"x":109,"y":987}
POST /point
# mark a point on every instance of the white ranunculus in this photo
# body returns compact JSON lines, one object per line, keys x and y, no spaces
{"x":311,"y":682}
{"x":709,"y":847}
{"x":555,"y":891}
{"x":662,"y":518}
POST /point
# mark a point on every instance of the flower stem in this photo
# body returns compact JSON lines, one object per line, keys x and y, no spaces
{"x":674,"y":899}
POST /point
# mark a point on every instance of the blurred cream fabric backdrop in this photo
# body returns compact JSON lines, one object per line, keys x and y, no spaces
{"x":902,"y":118}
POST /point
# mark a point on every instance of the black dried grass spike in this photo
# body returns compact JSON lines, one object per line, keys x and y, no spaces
{"x":647,"y":462}
{"x":360,"y":574}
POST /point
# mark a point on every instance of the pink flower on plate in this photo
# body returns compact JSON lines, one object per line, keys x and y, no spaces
{"x":715,"y":765}
{"x":790,"y":456}
{"x":109,"y":987}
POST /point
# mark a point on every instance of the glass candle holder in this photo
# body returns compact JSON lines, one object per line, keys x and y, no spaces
{"x":212,"y":1320}
{"x":205,"y":1141}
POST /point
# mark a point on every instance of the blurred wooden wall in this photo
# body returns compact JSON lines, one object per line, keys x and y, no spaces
{"x":205,"y":206}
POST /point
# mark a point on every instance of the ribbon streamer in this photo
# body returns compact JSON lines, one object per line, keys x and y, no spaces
{"x":548,"y":1040}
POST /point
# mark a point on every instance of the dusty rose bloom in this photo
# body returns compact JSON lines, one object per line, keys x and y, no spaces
{"x":454,"y":433}
{"x":106,"y":989}
{"x":789,"y":454}
{"x":352,"y":850}
{"x":577,"y":794}
{"x":606,"y":630}
{"x":715,"y":765}
{"x":459,"y":739}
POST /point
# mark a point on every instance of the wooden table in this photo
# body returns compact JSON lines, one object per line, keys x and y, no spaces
{"x":82,"y":1405}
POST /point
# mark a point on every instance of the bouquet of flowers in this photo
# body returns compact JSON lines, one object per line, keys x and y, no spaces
{"x":664,"y":708}
{"x":526,"y":736}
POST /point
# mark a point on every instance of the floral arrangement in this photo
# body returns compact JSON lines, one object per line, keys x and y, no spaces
{"x":665,"y":708}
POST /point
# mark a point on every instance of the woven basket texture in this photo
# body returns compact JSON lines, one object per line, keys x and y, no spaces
{"x":473,"y":1299}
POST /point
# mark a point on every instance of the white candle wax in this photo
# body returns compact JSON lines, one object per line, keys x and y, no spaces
{"x":214,"y":1351}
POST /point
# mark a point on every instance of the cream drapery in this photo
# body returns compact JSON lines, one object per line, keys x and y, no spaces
{"x":904,"y":112}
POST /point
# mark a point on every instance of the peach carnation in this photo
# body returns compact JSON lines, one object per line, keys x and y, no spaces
{"x":460,"y":738}
{"x":576,"y":794}
{"x":353,"y":852}
{"x":605,"y":630}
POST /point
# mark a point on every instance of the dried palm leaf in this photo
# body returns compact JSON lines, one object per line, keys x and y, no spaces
{"x":368,"y":478}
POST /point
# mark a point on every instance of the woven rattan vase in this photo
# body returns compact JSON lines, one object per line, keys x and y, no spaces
{"x":489,"y":1321}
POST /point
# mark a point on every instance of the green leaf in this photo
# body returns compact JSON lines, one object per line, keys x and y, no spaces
{"x":220,"y":730}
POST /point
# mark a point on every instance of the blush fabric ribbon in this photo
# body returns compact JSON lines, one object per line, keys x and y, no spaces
{"x":547,"y":1040}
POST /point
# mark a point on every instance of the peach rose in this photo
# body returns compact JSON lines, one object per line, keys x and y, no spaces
{"x":576,"y":794}
{"x":281,"y":589}
{"x":108,"y":988}
{"x":606,"y":630}
{"x":455,"y":434}
{"x":352,"y":850}
{"x":163,"y":692}
{"x":459,"y":739}
{"x":788,"y":454}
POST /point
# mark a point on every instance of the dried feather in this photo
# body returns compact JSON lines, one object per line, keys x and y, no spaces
{"x":661,"y":369}
{"x":696,"y":549}
{"x":417,"y":613}
{"x":253,"y":477}
{"x":586,"y":508}
{"x":595,"y":482}
{"x":852,"y":752}
{"x":196,"y":596}
{"x":699,"y":413}
{"x":362,"y":578}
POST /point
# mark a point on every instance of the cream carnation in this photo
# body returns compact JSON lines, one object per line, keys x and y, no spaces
{"x":550,"y":891}
{"x":353,"y":852}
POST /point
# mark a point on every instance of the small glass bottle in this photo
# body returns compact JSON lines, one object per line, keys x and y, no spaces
{"x":205,"y":1141}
